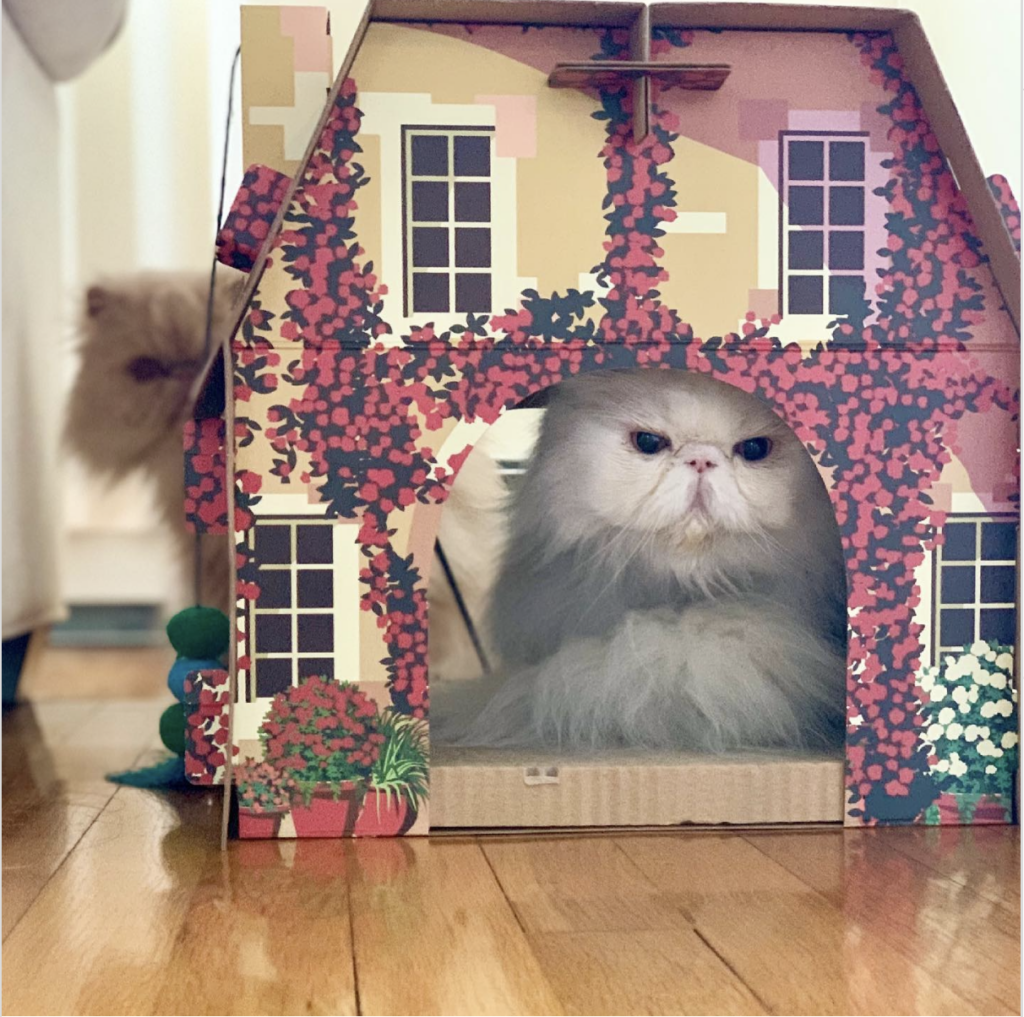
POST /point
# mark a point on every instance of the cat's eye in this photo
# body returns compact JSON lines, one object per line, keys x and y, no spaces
{"x":147,"y":369}
{"x":649,"y":443}
{"x":753,"y":449}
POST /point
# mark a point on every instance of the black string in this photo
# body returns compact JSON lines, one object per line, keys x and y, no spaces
{"x":197,"y":565}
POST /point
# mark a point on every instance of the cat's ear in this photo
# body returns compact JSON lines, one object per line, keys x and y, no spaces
{"x":96,"y":298}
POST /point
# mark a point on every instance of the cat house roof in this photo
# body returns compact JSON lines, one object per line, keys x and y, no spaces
{"x":249,"y":251}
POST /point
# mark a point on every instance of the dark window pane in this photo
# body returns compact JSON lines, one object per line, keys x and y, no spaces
{"x":429,"y":155}
{"x":998,"y":584}
{"x":846,"y":206}
{"x":316,"y":633}
{"x":846,"y":249}
{"x":998,"y":625}
{"x":805,"y":294}
{"x":473,"y":291}
{"x":430,"y":291}
{"x":846,"y":160}
{"x":315,"y":667}
{"x":316,"y":588}
{"x":957,"y":627}
{"x":472,"y":247}
{"x":958,"y":584}
{"x":275,"y":588}
{"x":429,"y":247}
{"x":845,"y":294}
{"x":315,"y":545}
{"x":473,"y":155}
{"x":999,"y":541}
{"x":273,"y":675}
{"x":429,"y":201}
{"x":806,"y":249}
{"x":273,"y":633}
{"x":273,"y":545}
{"x":806,"y":160}
{"x":961,"y":539}
{"x":806,"y":206}
{"x":472,"y":202}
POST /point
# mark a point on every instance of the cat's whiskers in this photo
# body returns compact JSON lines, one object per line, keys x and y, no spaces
{"x":646,"y":537}
{"x":603,"y":549}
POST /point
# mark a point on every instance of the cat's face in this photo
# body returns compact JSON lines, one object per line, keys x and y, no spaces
{"x":677,"y":460}
{"x":141,"y":347}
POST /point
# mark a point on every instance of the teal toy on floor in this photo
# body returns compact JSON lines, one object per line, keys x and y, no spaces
{"x":201,"y":636}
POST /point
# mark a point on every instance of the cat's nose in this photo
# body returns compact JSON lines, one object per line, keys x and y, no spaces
{"x":701,"y":457}
{"x":701,"y":463}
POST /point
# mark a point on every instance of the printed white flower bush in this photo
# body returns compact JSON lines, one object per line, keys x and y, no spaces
{"x":971,"y":731}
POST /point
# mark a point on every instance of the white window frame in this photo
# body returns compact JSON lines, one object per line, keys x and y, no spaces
{"x":384,"y":116}
{"x":977,"y":563}
{"x":409,"y":132}
{"x":825,"y":272}
{"x":341,"y":539}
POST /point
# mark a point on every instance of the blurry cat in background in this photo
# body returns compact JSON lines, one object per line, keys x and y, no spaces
{"x":673,"y":577}
{"x":141,"y":341}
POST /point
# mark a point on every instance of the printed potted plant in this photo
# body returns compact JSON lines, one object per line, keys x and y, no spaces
{"x":971,"y":735}
{"x":264,"y":796}
{"x":324,"y":735}
{"x":398,"y":780}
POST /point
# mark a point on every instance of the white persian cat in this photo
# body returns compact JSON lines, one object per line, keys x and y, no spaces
{"x":673,"y":578}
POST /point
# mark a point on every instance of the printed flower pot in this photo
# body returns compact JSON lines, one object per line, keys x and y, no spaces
{"x":984,"y":809}
{"x":384,"y":816}
{"x":258,"y":825}
{"x":327,"y":815}
{"x":949,"y":810}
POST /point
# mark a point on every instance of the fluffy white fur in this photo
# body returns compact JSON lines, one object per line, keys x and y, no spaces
{"x":687,"y":599}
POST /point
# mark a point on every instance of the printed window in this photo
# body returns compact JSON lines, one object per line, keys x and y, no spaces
{"x":291,"y":622}
{"x":822,"y":198}
{"x":976,"y":581}
{"x":446,"y":178}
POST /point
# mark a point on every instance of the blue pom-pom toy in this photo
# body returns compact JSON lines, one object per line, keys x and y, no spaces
{"x":180,"y":669}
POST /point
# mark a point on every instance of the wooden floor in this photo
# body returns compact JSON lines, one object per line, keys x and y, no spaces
{"x":118,"y":901}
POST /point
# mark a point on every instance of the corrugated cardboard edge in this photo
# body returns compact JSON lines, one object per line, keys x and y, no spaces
{"x":511,"y":12}
{"x":471,"y":788}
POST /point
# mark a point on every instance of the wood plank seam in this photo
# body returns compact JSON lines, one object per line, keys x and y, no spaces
{"x":730,"y":967}
{"x":501,"y":886}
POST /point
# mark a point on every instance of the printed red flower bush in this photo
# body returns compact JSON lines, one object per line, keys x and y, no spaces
{"x":1008,"y":207}
{"x":321,"y":731}
{"x":207,"y":701}
{"x":251,"y":216}
{"x":206,"y":500}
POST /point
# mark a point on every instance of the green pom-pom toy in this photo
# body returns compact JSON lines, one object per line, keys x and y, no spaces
{"x":201,"y":632}
{"x":172,"y":728}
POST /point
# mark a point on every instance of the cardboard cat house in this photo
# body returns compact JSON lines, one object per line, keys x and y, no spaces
{"x":495,"y":196}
